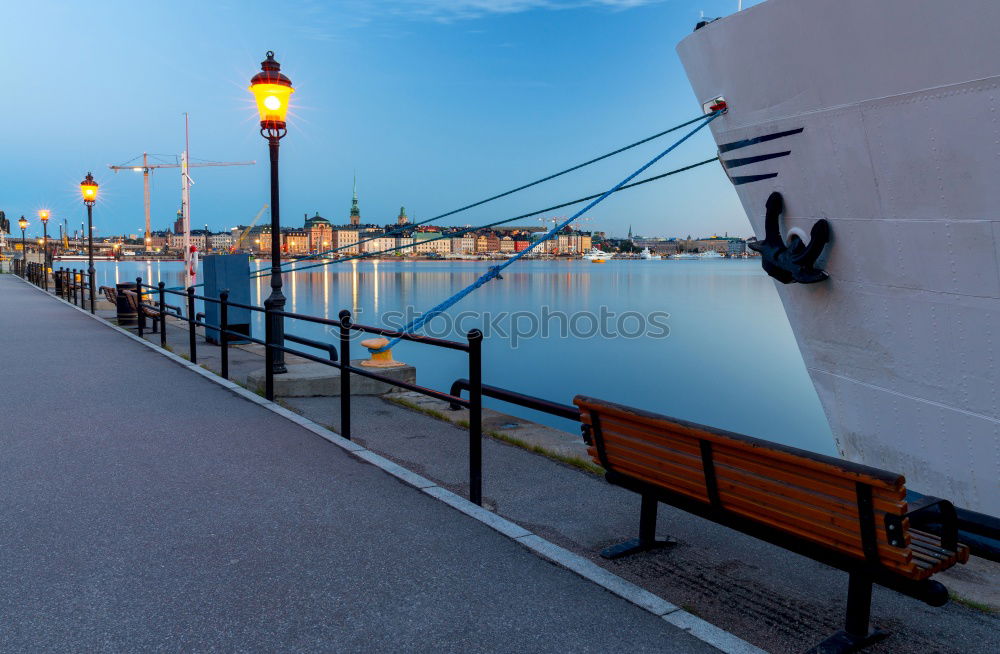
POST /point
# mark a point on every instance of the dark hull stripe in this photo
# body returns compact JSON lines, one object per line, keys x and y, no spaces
{"x":751,"y":178}
{"x":736,"y":163}
{"x":736,"y":145}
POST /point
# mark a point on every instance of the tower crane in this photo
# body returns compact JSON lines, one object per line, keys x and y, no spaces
{"x":243,"y":235}
{"x":147,"y":168}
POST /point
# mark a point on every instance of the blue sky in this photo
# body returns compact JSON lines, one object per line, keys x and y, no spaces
{"x":435,"y":104}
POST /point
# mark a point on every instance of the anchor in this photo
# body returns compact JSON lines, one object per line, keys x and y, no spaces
{"x":796,"y":261}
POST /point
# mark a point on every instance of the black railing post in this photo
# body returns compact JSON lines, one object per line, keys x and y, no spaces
{"x":345,"y":374}
{"x":192,"y":345}
{"x":74,"y":286}
{"x":476,"y":416}
{"x":268,"y":354}
{"x":223,"y":328}
{"x":141,"y":316}
{"x":163,"y":314}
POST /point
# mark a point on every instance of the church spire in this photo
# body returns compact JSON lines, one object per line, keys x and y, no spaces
{"x":355,"y":211}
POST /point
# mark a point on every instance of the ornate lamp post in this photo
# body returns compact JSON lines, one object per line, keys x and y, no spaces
{"x":43,"y":215}
{"x":88,"y":188}
{"x":23,"y":224}
{"x":272,"y":91}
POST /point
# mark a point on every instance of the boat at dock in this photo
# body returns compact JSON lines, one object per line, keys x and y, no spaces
{"x":597,"y":255}
{"x":889,"y":136}
{"x":646,"y":254}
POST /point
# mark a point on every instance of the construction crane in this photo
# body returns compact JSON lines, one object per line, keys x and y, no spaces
{"x":239,"y":241}
{"x":147,"y":168}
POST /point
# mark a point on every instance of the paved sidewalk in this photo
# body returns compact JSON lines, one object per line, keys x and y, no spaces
{"x":147,"y":508}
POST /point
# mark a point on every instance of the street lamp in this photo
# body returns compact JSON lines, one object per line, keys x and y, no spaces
{"x":272,"y":91}
{"x":23,"y":224}
{"x":88,"y":188}
{"x":43,"y":215}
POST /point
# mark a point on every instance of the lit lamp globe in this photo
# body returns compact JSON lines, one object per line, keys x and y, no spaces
{"x":272,"y":91}
{"x":22,"y":223}
{"x":43,"y":215}
{"x":88,"y":189}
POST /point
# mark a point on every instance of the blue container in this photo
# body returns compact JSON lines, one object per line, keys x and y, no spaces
{"x":227,"y":272}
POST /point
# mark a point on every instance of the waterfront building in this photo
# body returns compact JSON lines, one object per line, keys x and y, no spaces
{"x":721,"y":244}
{"x":320,"y":232}
{"x":430,"y":243}
{"x":176,"y":241}
{"x":521,"y":244}
{"x":295,"y":241}
{"x":402,"y":219}
{"x":404,"y":243}
{"x":507,"y":244}
{"x":221,"y":241}
{"x":345,"y":241}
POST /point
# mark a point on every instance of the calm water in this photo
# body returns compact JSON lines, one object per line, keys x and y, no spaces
{"x":729,"y":360}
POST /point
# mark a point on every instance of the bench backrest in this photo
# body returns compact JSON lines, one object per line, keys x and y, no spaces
{"x":814,"y":497}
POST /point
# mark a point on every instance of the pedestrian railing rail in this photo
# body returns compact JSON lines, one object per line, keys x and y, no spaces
{"x":338,"y":356}
{"x":567,"y":411}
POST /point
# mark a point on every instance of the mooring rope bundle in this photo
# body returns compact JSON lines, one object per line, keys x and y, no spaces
{"x":494,"y":271}
{"x":409,"y":226}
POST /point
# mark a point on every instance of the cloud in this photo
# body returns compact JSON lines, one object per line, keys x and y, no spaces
{"x":454,"y":10}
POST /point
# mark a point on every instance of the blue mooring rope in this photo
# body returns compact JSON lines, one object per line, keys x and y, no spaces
{"x":494,"y":271}
{"x":409,"y":226}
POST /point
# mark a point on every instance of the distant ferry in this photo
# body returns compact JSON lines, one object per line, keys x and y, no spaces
{"x":710,"y":254}
{"x":684,"y":255}
{"x":645,"y":254}
{"x":597,"y":255}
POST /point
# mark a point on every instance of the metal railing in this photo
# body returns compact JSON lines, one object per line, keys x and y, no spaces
{"x":337,"y":356}
{"x":72,"y":285}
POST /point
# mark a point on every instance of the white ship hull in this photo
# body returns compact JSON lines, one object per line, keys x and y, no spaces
{"x":884,"y":119}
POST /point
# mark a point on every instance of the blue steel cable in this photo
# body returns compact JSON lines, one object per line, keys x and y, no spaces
{"x":510,"y":192}
{"x":452,"y":234}
{"x":494,"y":271}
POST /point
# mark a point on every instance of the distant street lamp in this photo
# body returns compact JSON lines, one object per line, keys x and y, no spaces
{"x":43,"y":215}
{"x":272,"y":91}
{"x":23,"y":224}
{"x":88,"y":188}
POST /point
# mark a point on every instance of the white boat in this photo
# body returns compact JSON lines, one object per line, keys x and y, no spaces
{"x":646,"y":254}
{"x":595,"y":254}
{"x":882,"y":118}
{"x":688,"y":256}
{"x":710,"y":254}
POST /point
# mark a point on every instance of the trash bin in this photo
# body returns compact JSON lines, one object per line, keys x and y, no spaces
{"x":126,"y":316}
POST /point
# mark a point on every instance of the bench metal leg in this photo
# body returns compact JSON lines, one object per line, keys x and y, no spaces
{"x":647,"y":533}
{"x":857,"y":633}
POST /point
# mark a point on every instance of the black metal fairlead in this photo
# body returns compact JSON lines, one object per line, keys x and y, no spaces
{"x":794,"y":261}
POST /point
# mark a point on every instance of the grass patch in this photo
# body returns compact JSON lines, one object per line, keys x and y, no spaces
{"x":576,"y":462}
{"x":972,"y":604}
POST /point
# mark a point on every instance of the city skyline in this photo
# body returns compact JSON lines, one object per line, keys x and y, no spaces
{"x":395,"y":96}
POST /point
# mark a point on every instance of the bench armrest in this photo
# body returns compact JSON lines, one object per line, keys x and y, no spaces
{"x":921,"y":514}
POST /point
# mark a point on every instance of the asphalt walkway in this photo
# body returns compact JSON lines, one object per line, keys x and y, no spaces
{"x":147,"y":508}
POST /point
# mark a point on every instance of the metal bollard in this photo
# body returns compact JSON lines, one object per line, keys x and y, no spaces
{"x":140,"y":315}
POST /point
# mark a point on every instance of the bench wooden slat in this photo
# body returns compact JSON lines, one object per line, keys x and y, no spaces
{"x":811,"y":496}
{"x":776,"y":451}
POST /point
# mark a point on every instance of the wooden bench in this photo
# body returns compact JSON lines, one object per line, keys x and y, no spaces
{"x":850,"y":516}
{"x":110,"y":294}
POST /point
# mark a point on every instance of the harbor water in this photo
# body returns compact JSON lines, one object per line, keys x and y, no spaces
{"x":706,"y":341}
